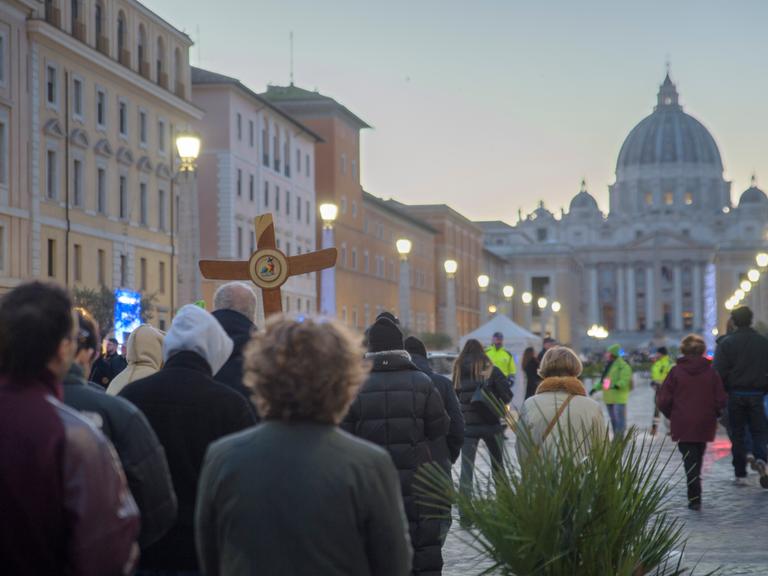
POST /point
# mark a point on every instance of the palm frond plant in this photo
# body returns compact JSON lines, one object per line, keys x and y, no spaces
{"x":595,"y":508}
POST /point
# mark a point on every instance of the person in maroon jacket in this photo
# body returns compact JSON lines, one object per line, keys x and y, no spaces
{"x":692,"y":397}
{"x":64,"y":505}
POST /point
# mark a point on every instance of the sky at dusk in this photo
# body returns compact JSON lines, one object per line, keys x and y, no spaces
{"x":493,"y":105}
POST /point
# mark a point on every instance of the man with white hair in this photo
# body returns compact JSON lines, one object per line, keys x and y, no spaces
{"x":234,"y":306}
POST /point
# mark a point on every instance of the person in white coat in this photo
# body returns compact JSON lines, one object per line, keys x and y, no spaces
{"x":559,"y":408}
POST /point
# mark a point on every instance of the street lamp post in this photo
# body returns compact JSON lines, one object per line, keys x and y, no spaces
{"x":482,"y":282}
{"x":556,"y":307}
{"x":328,"y":213}
{"x":187,"y":221}
{"x":404,"y":249}
{"x":542,"y":304}
{"x":508,"y":291}
{"x":450,"y":267}
{"x":527,"y":298}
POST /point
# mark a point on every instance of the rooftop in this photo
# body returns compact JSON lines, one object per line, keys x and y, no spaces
{"x":292,"y":94}
{"x":394,"y":208}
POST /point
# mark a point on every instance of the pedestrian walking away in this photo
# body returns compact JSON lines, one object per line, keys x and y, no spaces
{"x":296,"y":495}
{"x":144,"y":357}
{"x":742,"y":361}
{"x":659,"y":370}
{"x":615,"y":383}
{"x":530,"y":365}
{"x":692,"y":397}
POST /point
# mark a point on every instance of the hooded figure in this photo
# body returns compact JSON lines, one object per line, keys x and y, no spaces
{"x":188,"y":410}
{"x":145,"y":356}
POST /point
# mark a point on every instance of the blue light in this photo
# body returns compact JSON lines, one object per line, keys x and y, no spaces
{"x":127,"y":313}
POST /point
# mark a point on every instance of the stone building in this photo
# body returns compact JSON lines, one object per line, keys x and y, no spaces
{"x":93,"y":93}
{"x":670,"y":250}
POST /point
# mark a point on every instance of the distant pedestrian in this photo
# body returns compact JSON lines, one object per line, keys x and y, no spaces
{"x":475,"y":379}
{"x":109,"y":365}
{"x":65,"y":508}
{"x":234,"y":307}
{"x":546,"y":344}
{"x":141,"y":454}
{"x":144,"y":356}
{"x":560,"y":408}
{"x":188,"y":410}
{"x":399,"y":409}
{"x":296,"y":495}
{"x":616,"y":384}
{"x":692,"y":397}
{"x":501,"y":357}
{"x":742,"y":361}
{"x":659,"y":370}
{"x":530,"y":364}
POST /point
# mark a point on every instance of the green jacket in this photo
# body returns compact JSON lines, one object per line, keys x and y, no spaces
{"x":502,"y":359}
{"x":620,"y":376}
{"x":660,"y":369}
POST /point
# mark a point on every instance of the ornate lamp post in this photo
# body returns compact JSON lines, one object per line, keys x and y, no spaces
{"x":482,"y":282}
{"x":542,"y":305}
{"x":186,"y":220}
{"x":527,"y":298}
{"x":328,"y":213}
{"x":556,"y":307}
{"x":450,"y":267}
{"x":404,"y":246}
{"x":508,"y":291}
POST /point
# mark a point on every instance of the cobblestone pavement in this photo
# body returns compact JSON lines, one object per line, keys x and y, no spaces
{"x":730,"y":532}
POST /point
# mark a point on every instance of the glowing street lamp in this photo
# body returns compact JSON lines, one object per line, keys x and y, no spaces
{"x":556,"y":306}
{"x":739,"y":294}
{"x":328,"y":214}
{"x":492,"y":309}
{"x":762,"y":259}
{"x":450,"y":266}
{"x":483,"y":281}
{"x":508,"y":291}
{"x":404,"y":246}
{"x":541,"y":303}
{"x":527,"y":297}
{"x":188,"y":147}
{"x":753,"y":275}
{"x":746,"y":285}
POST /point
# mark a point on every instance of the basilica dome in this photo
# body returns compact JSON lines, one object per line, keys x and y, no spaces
{"x":668,"y":136}
{"x":753,"y":196}
{"x":583,"y":200}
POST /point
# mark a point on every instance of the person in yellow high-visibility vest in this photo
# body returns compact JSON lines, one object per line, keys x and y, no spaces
{"x":500,"y":357}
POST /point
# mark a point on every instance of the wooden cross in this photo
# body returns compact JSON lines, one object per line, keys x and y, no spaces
{"x":268,"y":267}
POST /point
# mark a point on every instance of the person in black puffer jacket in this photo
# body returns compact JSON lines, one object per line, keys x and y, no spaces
{"x":471,"y":370}
{"x":399,"y":409}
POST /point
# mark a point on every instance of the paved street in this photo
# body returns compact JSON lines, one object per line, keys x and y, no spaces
{"x":729,"y":532}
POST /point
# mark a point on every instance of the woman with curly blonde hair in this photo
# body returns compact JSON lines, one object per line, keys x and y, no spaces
{"x":297,"y":495}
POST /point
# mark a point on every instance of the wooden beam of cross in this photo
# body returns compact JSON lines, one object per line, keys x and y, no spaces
{"x":268,"y":267}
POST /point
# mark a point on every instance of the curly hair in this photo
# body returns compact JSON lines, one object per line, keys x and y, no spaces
{"x":693,"y":345}
{"x":304,"y":369}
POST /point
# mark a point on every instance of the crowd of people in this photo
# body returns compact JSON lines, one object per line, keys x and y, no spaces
{"x":215,"y":448}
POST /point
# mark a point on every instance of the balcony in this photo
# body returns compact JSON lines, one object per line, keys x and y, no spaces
{"x":125,"y":58}
{"x":144,"y":69}
{"x":102,"y":45}
{"x":53,"y":15}
{"x":162,"y":80}
{"x":79,"y":31}
{"x":181,"y":89}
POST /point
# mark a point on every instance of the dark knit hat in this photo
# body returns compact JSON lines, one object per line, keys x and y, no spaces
{"x":384,"y":335}
{"x":662,"y":350}
{"x":415,"y":346}
{"x":389,"y":316}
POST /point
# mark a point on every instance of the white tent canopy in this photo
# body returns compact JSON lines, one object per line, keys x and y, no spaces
{"x":516,"y":340}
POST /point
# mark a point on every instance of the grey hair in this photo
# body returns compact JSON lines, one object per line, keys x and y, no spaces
{"x":237,"y":296}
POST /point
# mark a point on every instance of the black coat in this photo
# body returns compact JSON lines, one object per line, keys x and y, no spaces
{"x":476,"y":423}
{"x":141,"y":454}
{"x":741,"y":358}
{"x":399,"y":409}
{"x":298,"y":498}
{"x":188,"y":410}
{"x":106,"y":368}
{"x":532,"y":377}
{"x":445,"y":450}
{"x":240,"y":329}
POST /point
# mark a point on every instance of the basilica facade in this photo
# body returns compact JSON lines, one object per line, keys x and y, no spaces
{"x":672,"y":247}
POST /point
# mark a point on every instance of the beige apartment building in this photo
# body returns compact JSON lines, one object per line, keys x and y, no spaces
{"x":93,"y":92}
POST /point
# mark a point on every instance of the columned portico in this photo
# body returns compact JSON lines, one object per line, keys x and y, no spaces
{"x":698,"y":297}
{"x":677,"y":297}
{"x":620,"y":298}
{"x":631,"y":299}
{"x":650,"y":296}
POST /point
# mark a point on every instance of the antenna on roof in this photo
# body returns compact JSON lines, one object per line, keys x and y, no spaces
{"x":291,"y":39}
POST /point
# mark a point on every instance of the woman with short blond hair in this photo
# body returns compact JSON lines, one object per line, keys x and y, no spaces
{"x":559,"y":408}
{"x":296,"y":495}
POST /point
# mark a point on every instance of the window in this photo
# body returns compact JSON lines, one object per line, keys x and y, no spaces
{"x":354,"y":317}
{"x":306,"y":165}
{"x":51,"y":85}
{"x":161,"y":277}
{"x":669,"y":198}
{"x":648,"y":198}
{"x":298,"y":209}
{"x":298,"y":161}
{"x":161,"y":135}
{"x":354,"y":168}
{"x":78,"y":263}
{"x":277,"y":198}
{"x":121,"y":31}
{"x":123,"y":118}
{"x":252,"y":243}
{"x":51,"y":183}
{"x":101,"y":266}
{"x":307,"y":212}
{"x":160,"y":62}
{"x":354,"y":209}
{"x":143,"y":127}
{"x":343,"y":204}
{"x":541,"y":234}
{"x":265,"y":146}
{"x":239,"y":182}
{"x":98,"y":20}
{"x":688,"y":198}
{"x":142,"y":274}
{"x":143,"y":203}
{"x":276,"y":150}
{"x":354,"y":258}
{"x":77,"y":96}
{"x":251,"y":185}
{"x":123,"y":270}
{"x":366,"y":263}
{"x":161,"y":210}
{"x":239,"y":126}
{"x":3,"y":153}
{"x":142,"y":49}
{"x":2,"y":59}
{"x":101,"y":108}
{"x":51,"y":258}
{"x":287,"y":248}
{"x":287,"y":156}
{"x":343,"y":255}
{"x":77,"y":182}
{"x":101,"y":191}
{"x":266,"y":194}
{"x":239,"y":241}
{"x":343,"y":163}
{"x":251,"y":137}
{"x":288,"y":202}
{"x":122,"y":190}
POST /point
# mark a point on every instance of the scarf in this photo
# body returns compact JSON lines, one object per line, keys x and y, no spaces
{"x":567,"y":384}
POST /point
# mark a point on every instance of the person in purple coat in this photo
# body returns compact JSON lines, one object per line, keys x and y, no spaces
{"x":692,"y":397}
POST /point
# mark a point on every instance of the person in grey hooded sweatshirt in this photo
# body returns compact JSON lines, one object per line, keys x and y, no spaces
{"x":188,"y":410}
